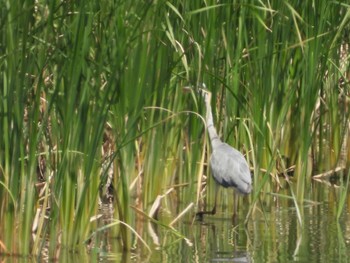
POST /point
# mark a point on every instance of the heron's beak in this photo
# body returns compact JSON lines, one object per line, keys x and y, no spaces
{"x":186,"y":89}
{"x":201,"y":89}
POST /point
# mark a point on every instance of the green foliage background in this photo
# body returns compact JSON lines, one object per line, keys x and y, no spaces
{"x":88,"y":86}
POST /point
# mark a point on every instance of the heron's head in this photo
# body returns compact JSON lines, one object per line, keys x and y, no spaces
{"x":200,"y":88}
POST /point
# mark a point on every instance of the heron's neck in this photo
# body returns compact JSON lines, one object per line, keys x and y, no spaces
{"x":214,"y":138}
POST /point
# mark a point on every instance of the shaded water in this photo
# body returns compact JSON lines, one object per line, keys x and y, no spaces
{"x":276,"y":238}
{"x":273,"y":234}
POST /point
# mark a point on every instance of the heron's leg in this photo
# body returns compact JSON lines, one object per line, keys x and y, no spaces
{"x":235,"y":206}
{"x":213,"y":211}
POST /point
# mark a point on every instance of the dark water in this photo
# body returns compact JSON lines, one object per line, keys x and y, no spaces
{"x":275,"y":237}
{"x":272,"y":234}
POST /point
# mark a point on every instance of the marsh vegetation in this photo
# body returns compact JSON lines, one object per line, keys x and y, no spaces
{"x":92,"y":114}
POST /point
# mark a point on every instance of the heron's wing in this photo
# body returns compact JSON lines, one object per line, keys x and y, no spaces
{"x":230,"y":169}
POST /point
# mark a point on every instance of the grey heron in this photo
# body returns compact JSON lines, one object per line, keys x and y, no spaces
{"x":228,"y":166}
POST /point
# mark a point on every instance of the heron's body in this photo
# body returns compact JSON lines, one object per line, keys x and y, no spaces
{"x":230,"y":169}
